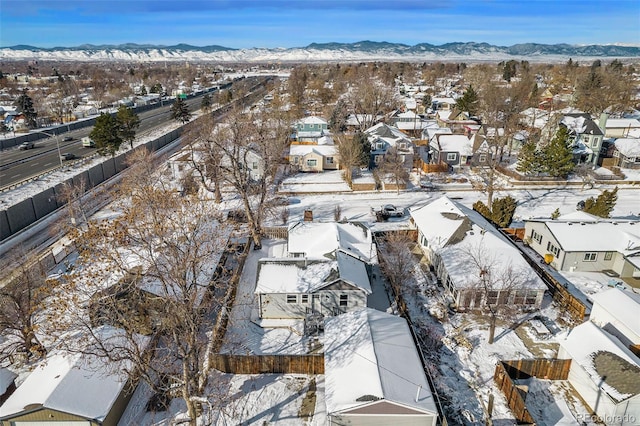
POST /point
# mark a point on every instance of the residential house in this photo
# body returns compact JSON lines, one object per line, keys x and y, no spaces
{"x":293,"y":288}
{"x":616,"y":312}
{"x":72,"y":389}
{"x":450,"y":234}
{"x":626,"y":152}
{"x":459,"y":150}
{"x":455,"y":119}
{"x":442,"y":103}
{"x":373,"y":372}
{"x":585,"y":137}
{"x":382,"y":138}
{"x":309,"y":130}
{"x":357,"y":122}
{"x":620,"y":127}
{"x":583,"y":242}
{"x":411,"y":123}
{"x":604,"y":372}
{"x":315,"y":158}
{"x":428,"y":134}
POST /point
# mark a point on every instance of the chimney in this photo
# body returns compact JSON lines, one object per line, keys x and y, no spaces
{"x":602,"y":122}
{"x":308,"y":215}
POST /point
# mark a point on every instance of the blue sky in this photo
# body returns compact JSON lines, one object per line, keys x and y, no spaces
{"x":295,"y":23}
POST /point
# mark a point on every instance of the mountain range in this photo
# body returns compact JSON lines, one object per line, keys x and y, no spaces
{"x":359,"y":51}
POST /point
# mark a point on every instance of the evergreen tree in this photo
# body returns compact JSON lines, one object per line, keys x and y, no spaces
{"x":106,"y":134}
{"x":180,"y":111}
{"x":529,"y":159}
{"x":24,"y":103}
{"x":363,"y":141}
{"x":603,"y":205}
{"x":338,"y":120}
{"x":205,"y":105}
{"x":509,"y":70}
{"x":128,"y":122}
{"x":482,"y":208}
{"x":469,"y":101}
{"x":156,"y":88}
{"x":502,"y":211}
{"x":143,"y":90}
{"x":558,"y":156}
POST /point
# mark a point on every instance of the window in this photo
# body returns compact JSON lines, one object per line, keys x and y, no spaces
{"x":329,"y":160}
{"x":536,"y":237}
{"x":377,"y":159}
{"x":402,"y":145}
{"x":296,"y":159}
{"x":379,"y":146}
{"x":312,"y":163}
{"x":482,"y":158}
{"x":292,"y":298}
{"x":519,"y":297}
{"x":451,"y":156}
{"x":590,"y":257}
{"x":492,"y":297}
{"x":344,"y":299}
{"x":553,"y":249}
{"x":403,"y":158}
{"x":608,"y":255}
{"x":254,"y":165}
{"x":532,"y":296}
{"x":304,"y":299}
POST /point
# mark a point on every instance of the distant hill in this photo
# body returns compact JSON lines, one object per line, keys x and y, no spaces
{"x":360,"y":51}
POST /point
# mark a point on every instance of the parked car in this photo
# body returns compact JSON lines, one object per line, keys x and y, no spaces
{"x":389,"y":210}
{"x":68,"y":156}
{"x":27,"y":145}
{"x":67,"y":139}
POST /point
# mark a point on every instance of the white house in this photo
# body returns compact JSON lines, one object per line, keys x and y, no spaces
{"x":475,"y":263}
{"x":289,"y":288}
{"x":72,"y":390}
{"x":604,"y":372}
{"x":583,"y":242}
{"x":626,"y":152}
{"x":373,"y":373}
{"x":618,"y":313}
{"x":314,"y":158}
{"x":321,"y":239}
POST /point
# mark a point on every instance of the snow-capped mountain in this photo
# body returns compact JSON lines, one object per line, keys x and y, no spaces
{"x":360,"y":51}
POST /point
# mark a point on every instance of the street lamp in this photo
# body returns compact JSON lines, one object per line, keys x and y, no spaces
{"x":57,"y":143}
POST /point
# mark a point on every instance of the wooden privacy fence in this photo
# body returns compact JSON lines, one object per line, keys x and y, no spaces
{"x":268,"y":364}
{"x":508,"y":371}
{"x":276,"y":232}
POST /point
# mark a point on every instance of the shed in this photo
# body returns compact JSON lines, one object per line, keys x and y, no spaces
{"x":618,"y":312}
{"x":373,"y":373}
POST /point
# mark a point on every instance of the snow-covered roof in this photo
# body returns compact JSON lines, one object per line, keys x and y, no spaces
{"x":319,"y":239}
{"x":581,"y":123}
{"x":312,"y":120}
{"x":580,"y":234}
{"x":586,"y":342}
{"x":309,"y":134}
{"x":443,"y":100}
{"x":453,"y":231}
{"x":453,"y":143}
{"x":624,"y":306}
{"x":297,"y":275}
{"x":622,"y":123}
{"x":390,"y":134}
{"x":77,"y":384}
{"x":432,"y":131}
{"x":6,"y":378}
{"x":629,"y":147}
{"x":369,"y":356}
{"x":324,"y":150}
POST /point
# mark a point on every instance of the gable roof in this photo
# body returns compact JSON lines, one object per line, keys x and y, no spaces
{"x":370,"y":356}
{"x":75,"y":384}
{"x":323,"y":150}
{"x":619,"y":377}
{"x":453,"y":143}
{"x":580,"y":124}
{"x":629,"y":147}
{"x":320,"y":239}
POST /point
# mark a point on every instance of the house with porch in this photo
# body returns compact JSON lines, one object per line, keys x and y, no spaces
{"x":459,"y":150}
{"x":315,"y":157}
{"x":294,"y":288}
{"x":585,"y":136}
{"x":373,"y":372}
{"x":582,"y":242}
{"x":476,"y":264}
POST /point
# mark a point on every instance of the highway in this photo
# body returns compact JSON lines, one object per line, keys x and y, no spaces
{"x":17,"y":165}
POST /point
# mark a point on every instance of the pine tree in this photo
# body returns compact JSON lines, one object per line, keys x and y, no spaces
{"x":143,"y":90}
{"x":180,"y":111}
{"x":557,"y":155}
{"x":24,"y":103}
{"x":529,"y":159}
{"x":106,"y":134}
{"x":128,"y":122}
{"x":205,"y":105}
{"x":469,"y":101}
{"x":482,"y":208}
{"x":502,"y":211}
{"x":603,"y":205}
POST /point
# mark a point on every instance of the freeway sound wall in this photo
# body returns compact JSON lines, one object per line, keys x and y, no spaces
{"x":17,"y":217}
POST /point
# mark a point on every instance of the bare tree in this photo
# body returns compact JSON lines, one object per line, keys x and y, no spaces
{"x":205,"y":154}
{"x":367,"y":99}
{"x":393,"y":165}
{"x":147,"y":270}
{"x":396,"y":262}
{"x":351,"y":155}
{"x":21,"y":302}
